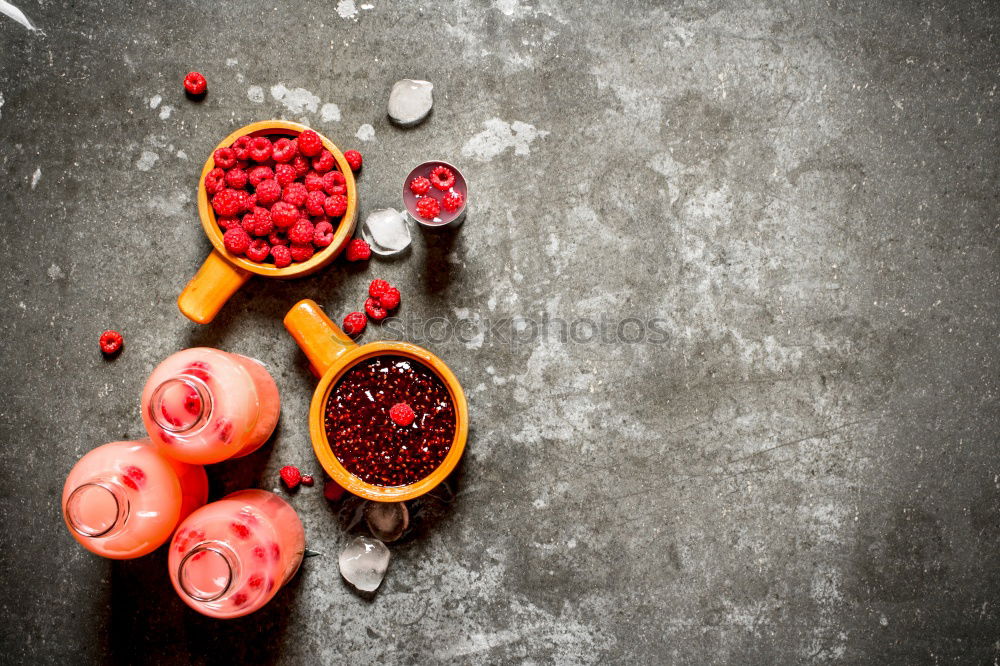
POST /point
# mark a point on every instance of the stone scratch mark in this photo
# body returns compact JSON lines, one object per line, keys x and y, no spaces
{"x":819,"y":435}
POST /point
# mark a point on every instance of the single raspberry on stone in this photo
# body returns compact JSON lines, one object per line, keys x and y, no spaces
{"x":241,"y":148}
{"x":195,"y":84}
{"x":358,"y":250}
{"x":225,"y":158}
{"x":285,"y":174}
{"x":301,"y":165}
{"x":301,"y":251}
{"x":314,"y":182}
{"x":377,"y":288}
{"x":322,"y":234}
{"x":282,"y":256}
{"x":336,"y":205}
{"x":315,"y":202}
{"x":258,"y":174}
{"x":307,"y":480}
{"x":353,"y":158}
{"x":294,"y":193}
{"x":291,"y":476}
{"x":355,"y":323}
{"x":374,"y":309}
{"x":236,"y":178}
{"x":283,"y":150}
{"x":284,"y":214}
{"x":260,"y":149}
{"x":309,"y":143}
{"x":420,"y":185}
{"x":227,"y":203}
{"x":334,"y":183}
{"x":402,"y":414}
{"x":215,"y":180}
{"x":428,"y":208}
{"x":111,"y":342}
{"x":452,"y":201}
{"x":390,"y":298}
{"x":228,"y":223}
{"x":301,"y":232}
{"x":323,"y":162}
{"x":236,"y":240}
{"x":277,"y":238}
{"x":268,"y":191}
{"x":259,"y":250}
{"x":442,"y":178}
{"x":332,"y":490}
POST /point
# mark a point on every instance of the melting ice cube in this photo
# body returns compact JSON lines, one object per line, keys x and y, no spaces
{"x":387,"y":231}
{"x":363,"y":563}
{"x":410,"y":101}
{"x":387,"y":520}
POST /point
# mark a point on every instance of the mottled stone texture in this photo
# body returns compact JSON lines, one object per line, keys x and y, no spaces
{"x":797,"y":463}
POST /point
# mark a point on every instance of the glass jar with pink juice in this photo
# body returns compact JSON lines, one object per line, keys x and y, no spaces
{"x":204,"y":405}
{"x":124,"y":499}
{"x":231,"y":557}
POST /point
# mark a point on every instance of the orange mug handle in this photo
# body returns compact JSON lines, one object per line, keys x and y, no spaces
{"x":322,"y":341}
{"x":210,"y":288}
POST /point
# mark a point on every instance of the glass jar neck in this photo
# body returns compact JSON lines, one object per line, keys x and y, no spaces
{"x":181,"y":404}
{"x":99,"y":508}
{"x":207,"y":572}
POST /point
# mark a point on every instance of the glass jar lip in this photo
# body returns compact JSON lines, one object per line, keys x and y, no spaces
{"x":108,"y":490}
{"x":218,"y":550}
{"x":198,"y":420}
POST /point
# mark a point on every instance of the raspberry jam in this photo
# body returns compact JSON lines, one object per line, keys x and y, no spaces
{"x":365,"y":439}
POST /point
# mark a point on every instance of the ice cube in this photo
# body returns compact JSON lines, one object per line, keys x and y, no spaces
{"x":410,"y":101}
{"x":363,"y":563}
{"x":387,"y":231}
{"x":387,"y":520}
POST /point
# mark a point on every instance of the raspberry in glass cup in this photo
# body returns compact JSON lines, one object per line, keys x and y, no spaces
{"x":203,"y":405}
{"x":124,"y":499}
{"x":231,"y":557}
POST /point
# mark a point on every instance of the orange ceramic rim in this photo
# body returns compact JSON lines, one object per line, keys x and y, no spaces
{"x":342,"y":235}
{"x":317,"y":422}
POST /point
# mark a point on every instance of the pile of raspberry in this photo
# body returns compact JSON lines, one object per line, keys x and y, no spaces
{"x":382,"y":298}
{"x":441,"y":178}
{"x":278,"y":200}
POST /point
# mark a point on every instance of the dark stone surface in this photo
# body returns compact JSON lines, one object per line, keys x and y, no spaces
{"x":798,"y":463}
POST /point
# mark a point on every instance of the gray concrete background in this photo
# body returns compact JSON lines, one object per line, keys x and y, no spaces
{"x":805,"y":194}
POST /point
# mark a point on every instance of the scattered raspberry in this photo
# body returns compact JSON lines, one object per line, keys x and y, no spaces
{"x":315,"y":201}
{"x":314,"y":182}
{"x":307,"y":480}
{"x":442,"y":178}
{"x":260,"y":149}
{"x":228,"y":223}
{"x":282,"y":256}
{"x":133,"y":477}
{"x":353,"y":158}
{"x":224,"y":158}
{"x":195,"y":84}
{"x":300,"y":164}
{"x":258,"y":250}
{"x":283,"y":150}
{"x":334,"y":182}
{"x":402,"y":414}
{"x":241,"y":147}
{"x":428,"y":208}
{"x":236,"y":178}
{"x":301,"y":252}
{"x":332,"y":490}
{"x":215,"y":181}
{"x":285,"y":174}
{"x":227,"y":203}
{"x":258,"y":174}
{"x":336,"y":205}
{"x":420,"y":185}
{"x":284,"y":214}
{"x":452,"y":201}
{"x":236,"y":240}
{"x":301,"y":232}
{"x":309,"y":143}
{"x":111,"y":342}
{"x":358,"y":249}
{"x":377,"y":288}
{"x":291,"y":476}
{"x":390,"y":298}
{"x":295,"y":194}
{"x":323,"y":162}
{"x":355,"y":323}
{"x":322,"y":234}
{"x":374,"y":309}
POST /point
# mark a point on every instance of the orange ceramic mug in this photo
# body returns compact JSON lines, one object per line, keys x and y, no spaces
{"x":332,"y":353}
{"x":223,"y":273}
